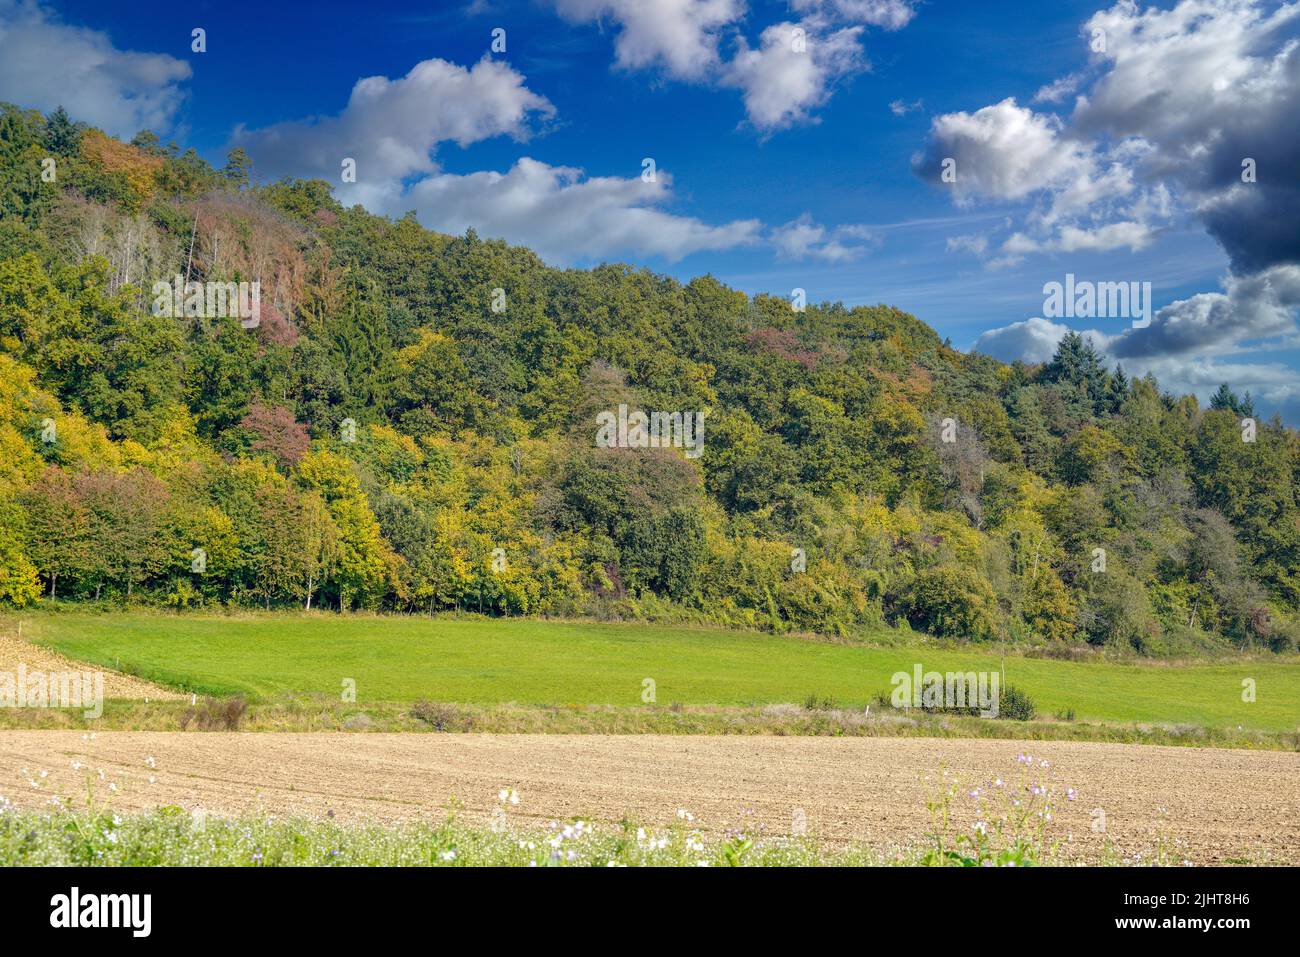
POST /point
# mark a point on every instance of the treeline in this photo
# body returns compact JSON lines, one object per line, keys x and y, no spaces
{"x":411,"y":426}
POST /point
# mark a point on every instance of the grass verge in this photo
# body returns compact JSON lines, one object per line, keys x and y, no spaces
{"x":392,"y":661}
{"x":320,"y":714}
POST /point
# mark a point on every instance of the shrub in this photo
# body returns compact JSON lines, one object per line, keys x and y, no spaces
{"x":813,"y":703}
{"x":952,"y":601}
{"x":440,"y":717}
{"x":216,"y":715}
{"x":1015,"y":705}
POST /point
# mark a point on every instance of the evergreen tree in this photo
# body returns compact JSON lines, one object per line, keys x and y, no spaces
{"x":238,"y":167}
{"x":1225,"y":398}
{"x":62,"y":136}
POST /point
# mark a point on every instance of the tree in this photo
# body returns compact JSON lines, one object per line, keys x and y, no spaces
{"x":126,"y":528}
{"x":276,"y":432}
{"x":1076,"y":369}
{"x":953,"y":602}
{"x":365,"y":561}
{"x":434,"y":393}
{"x":1225,"y":398}
{"x":18,"y":582}
{"x":238,"y":167}
{"x":58,"y":526}
{"x":62,"y":136}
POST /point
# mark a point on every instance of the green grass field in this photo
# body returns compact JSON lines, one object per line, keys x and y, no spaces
{"x":533,"y":662}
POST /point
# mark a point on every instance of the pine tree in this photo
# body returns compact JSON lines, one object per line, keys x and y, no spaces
{"x":62,"y":136}
{"x":1225,"y":398}
{"x":238,"y":165}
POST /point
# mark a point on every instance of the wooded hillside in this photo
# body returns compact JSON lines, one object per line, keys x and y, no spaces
{"x":411,"y":425}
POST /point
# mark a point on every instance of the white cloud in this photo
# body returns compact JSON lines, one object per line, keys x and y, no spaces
{"x":792,"y":71}
{"x":1127,"y":234}
{"x":682,"y":36}
{"x":789,"y":74}
{"x":1187,"y":342}
{"x":565,"y":217}
{"x":45,"y":63}
{"x":1032,"y":340}
{"x":392,"y":127}
{"x":1085,"y":198}
{"x":889,"y":14}
{"x":1003,"y":151}
{"x":1183,"y":96}
{"x":803,"y":238}
{"x":971,"y":243}
{"x":1208,"y":84}
{"x":1273,"y":382}
{"x":1252,"y":308}
{"x":1058,"y":90}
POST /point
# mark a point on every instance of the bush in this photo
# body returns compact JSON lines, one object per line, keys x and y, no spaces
{"x":952,"y":601}
{"x":440,"y":717}
{"x":216,"y":715}
{"x":1015,"y":705}
{"x":813,"y":703}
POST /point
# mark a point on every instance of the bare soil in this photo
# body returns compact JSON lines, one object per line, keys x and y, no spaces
{"x":1203,"y":805}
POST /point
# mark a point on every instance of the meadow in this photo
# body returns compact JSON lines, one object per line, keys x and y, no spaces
{"x":529,"y":662}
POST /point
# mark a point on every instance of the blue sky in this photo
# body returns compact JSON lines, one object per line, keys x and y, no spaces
{"x":776,"y":171}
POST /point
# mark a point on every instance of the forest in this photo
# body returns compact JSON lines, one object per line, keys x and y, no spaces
{"x":411,"y":426}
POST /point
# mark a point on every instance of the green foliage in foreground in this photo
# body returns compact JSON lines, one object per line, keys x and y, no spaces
{"x":172,"y":837}
{"x":403,"y":659}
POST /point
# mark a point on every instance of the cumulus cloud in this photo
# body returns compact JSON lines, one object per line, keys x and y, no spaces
{"x":46,"y":63}
{"x":565,"y":217}
{"x":784,"y":78}
{"x":803,"y":238}
{"x":1002,"y":151}
{"x":1188,"y":342}
{"x":1252,"y":308}
{"x":1190,"y":113}
{"x":1031,"y":340}
{"x":889,"y":14}
{"x":1084,"y":197}
{"x":792,"y":71}
{"x":1035,"y":340}
{"x":682,"y":36}
{"x":1058,"y":90}
{"x":1250,"y":311}
{"x":391,"y":128}
{"x":1184,"y":98}
{"x":1210,"y":85}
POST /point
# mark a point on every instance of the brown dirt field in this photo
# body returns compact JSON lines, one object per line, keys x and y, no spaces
{"x":15,"y":651}
{"x":1220,"y":805}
